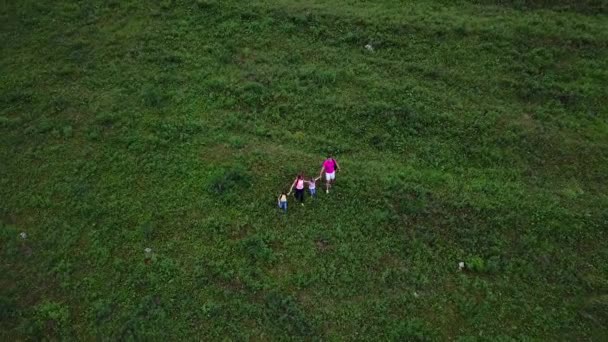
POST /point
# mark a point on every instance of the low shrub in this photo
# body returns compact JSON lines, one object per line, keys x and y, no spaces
{"x":224,"y":181}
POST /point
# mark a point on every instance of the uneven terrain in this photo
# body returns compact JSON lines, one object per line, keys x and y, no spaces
{"x":472,"y":131}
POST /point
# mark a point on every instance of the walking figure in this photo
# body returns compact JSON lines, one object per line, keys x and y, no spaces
{"x":330,"y":166}
{"x":298,"y":183}
{"x":282,"y":201}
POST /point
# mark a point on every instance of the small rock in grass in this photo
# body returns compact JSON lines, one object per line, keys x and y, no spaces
{"x":369,"y":47}
{"x":148,"y":250}
{"x":23,"y":235}
{"x":461,"y":265}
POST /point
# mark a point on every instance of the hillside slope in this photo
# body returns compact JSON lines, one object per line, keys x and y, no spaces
{"x":470,"y":131}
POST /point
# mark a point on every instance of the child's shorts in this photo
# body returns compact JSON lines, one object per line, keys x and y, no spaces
{"x":283,"y":205}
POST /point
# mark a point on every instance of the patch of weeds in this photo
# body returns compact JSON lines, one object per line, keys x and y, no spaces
{"x":44,"y":125}
{"x":8,"y":308}
{"x":285,"y":313}
{"x":216,"y":225}
{"x":6,"y":122}
{"x":79,"y":52}
{"x":113,"y":4}
{"x":48,"y":319}
{"x":380,"y":141}
{"x":144,"y":320}
{"x":226,"y":55}
{"x":253,"y":95}
{"x":178,"y":131}
{"x":314,"y":77}
{"x":148,"y":230}
{"x":594,"y":283}
{"x":63,"y":270}
{"x":411,"y":330}
{"x":102,"y":310}
{"x":227,"y":180}
{"x":407,"y":198}
{"x":154,"y":97}
{"x":595,"y":309}
{"x":322,"y":244}
{"x":8,"y":238}
{"x":219,"y":274}
{"x":16,"y":97}
{"x":216,"y":85}
{"x":143,"y":143}
{"x":93,"y":133}
{"x":481,"y":265}
{"x":298,"y":137}
{"x":172,"y":60}
{"x":257,"y":249}
{"x":476,"y":264}
{"x":106,"y":120}
{"x":333,"y":146}
{"x":237,"y":142}
{"x":263,"y":131}
{"x":249,"y":15}
{"x":166,"y":4}
{"x":352,"y":38}
{"x":67,"y":131}
{"x":206,"y":4}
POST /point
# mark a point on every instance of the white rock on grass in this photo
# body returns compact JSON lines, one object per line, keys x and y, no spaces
{"x":23,"y":235}
{"x":148,"y":250}
{"x":461,"y":265}
{"x":369,"y":47}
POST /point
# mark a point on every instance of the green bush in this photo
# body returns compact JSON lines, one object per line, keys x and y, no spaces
{"x":285,"y":313}
{"x":257,"y":249}
{"x":476,"y":264}
{"x":225,"y":181}
{"x":49,"y":319}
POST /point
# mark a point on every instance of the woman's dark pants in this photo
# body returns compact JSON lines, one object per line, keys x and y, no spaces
{"x":300,"y":195}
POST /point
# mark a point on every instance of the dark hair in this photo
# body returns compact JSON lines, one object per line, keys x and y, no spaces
{"x":299,"y":176}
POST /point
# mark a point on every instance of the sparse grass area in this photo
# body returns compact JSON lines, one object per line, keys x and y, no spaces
{"x":474,"y":131}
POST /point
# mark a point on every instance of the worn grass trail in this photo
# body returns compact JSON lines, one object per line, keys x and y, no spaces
{"x":474,"y":131}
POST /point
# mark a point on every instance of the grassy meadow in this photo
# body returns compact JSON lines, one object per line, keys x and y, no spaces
{"x":472,"y":131}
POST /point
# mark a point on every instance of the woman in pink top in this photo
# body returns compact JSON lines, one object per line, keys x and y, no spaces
{"x":298,"y":183}
{"x":330,"y":165}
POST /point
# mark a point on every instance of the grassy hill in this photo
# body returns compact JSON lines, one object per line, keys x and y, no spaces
{"x":472,"y":131}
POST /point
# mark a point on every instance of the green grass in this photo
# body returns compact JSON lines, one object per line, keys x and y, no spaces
{"x":475,"y":131}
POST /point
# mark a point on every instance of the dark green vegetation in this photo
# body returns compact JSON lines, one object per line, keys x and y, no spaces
{"x":475,"y":131}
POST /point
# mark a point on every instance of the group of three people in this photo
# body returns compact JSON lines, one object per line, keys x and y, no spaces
{"x":330,"y":167}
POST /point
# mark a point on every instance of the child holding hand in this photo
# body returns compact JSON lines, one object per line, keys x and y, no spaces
{"x":312,"y":187}
{"x":282,"y":202}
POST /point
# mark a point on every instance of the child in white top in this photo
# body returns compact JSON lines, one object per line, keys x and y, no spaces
{"x":282,"y":201}
{"x":312,"y":187}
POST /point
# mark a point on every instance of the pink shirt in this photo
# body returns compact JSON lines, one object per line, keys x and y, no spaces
{"x":300,"y":184}
{"x":329,"y":165}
